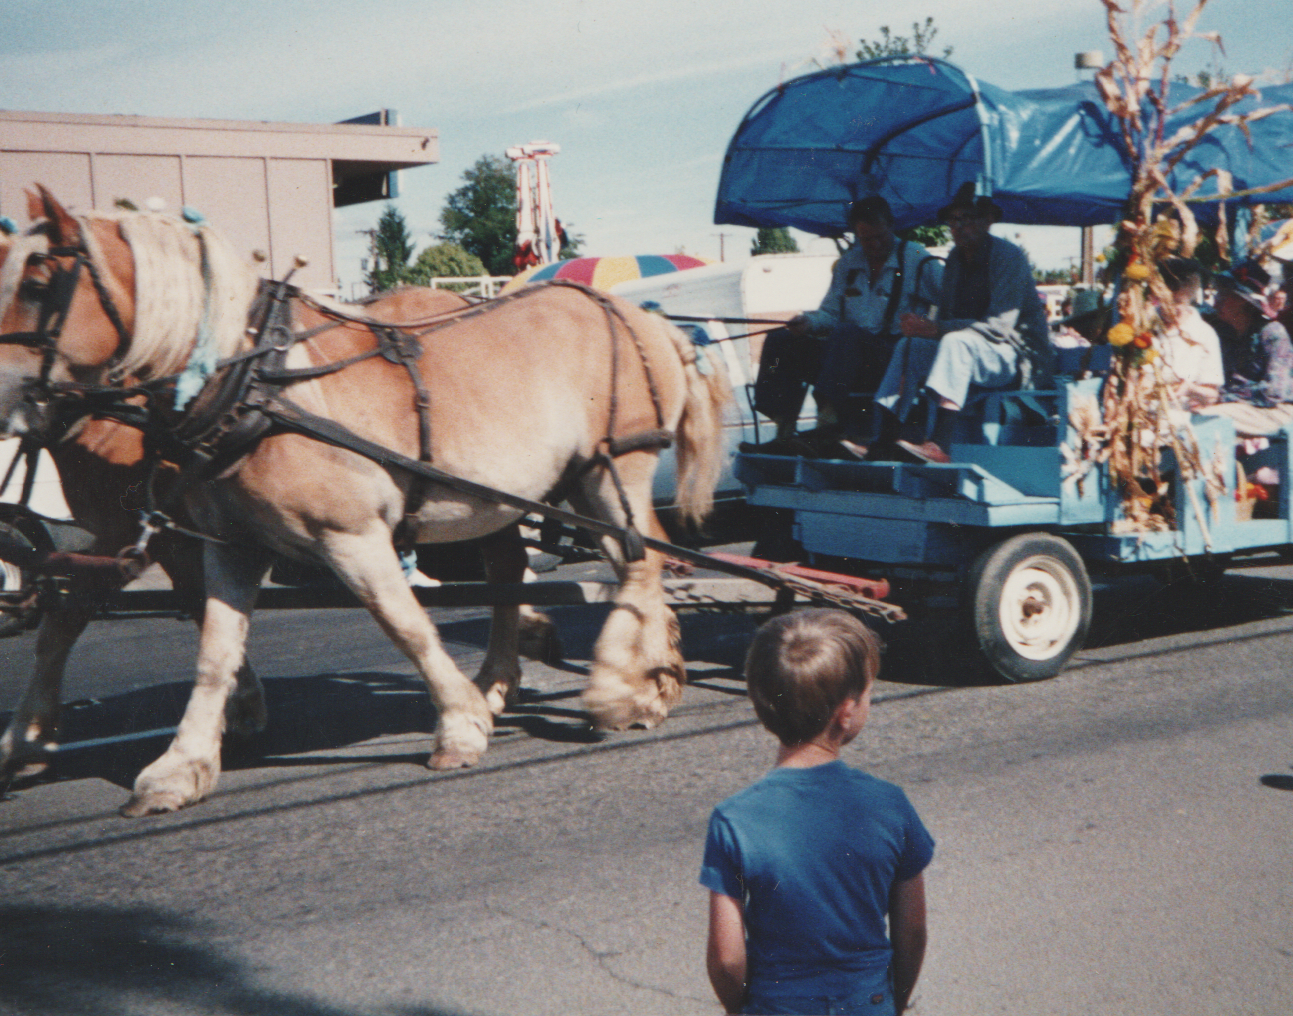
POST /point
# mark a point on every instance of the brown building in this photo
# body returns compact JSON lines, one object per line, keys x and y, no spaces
{"x":268,"y":187}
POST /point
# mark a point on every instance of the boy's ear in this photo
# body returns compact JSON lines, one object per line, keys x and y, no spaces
{"x":846,"y":713}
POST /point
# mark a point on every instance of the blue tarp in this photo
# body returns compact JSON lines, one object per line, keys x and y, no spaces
{"x":915,"y":129}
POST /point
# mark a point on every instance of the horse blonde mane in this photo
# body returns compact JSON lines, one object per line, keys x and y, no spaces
{"x":187,"y":278}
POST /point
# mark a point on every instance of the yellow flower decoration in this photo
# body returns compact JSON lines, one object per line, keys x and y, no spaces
{"x":1121,"y":334}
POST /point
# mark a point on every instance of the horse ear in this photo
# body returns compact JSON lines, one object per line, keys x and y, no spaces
{"x":63,"y":228}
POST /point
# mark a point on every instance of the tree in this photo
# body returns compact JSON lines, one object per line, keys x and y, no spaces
{"x":928,"y":236}
{"x":921,"y":38}
{"x":444,"y":259}
{"x":480,"y":216}
{"x":774,"y":240}
{"x":392,"y":246}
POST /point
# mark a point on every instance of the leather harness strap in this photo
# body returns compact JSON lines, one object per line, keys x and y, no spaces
{"x":229,"y":415}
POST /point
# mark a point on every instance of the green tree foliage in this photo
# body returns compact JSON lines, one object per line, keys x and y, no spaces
{"x":774,"y":240}
{"x":445,"y":259}
{"x":928,"y":236}
{"x":1056,"y":276}
{"x":391,"y":249}
{"x":572,"y":246}
{"x":480,"y":216}
{"x":917,"y":44}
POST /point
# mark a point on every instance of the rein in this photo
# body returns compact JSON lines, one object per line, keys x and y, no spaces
{"x":242,"y":401}
{"x":56,"y":300}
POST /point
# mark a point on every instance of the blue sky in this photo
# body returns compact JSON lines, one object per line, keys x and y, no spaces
{"x":642,"y":96}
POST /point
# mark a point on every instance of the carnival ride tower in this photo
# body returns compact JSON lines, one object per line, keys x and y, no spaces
{"x":538,"y":233}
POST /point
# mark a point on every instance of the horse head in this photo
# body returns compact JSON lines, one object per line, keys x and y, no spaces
{"x":90,"y":299}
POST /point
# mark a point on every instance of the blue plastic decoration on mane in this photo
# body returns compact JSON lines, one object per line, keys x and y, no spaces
{"x":202,"y":361}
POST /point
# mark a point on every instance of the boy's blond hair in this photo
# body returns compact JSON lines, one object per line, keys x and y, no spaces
{"x":801,"y":666}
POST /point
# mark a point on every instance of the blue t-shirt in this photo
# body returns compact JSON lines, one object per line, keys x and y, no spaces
{"x":812,"y":854}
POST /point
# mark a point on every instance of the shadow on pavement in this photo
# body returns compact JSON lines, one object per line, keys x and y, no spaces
{"x":306,"y":715}
{"x":57,"y":961}
{"x":325,"y":712}
{"x":933,"y":649}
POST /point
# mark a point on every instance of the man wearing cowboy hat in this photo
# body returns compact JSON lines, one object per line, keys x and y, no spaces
{"x":1256,"y":352}
{"x":844,"y":346}
{"x":992,"y":329}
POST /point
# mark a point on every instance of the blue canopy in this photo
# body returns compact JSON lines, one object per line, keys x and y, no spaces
{"x":913,"y":129}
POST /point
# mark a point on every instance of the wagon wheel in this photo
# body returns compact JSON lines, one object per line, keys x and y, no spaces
{"x":1029,"y":602}
{"x":13,"y":581}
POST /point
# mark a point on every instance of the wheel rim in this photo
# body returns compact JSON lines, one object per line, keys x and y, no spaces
{"x":1040,"y":608}
{"x":10,"y":577}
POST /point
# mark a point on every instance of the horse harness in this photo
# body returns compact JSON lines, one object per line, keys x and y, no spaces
{"x":244,"y":401}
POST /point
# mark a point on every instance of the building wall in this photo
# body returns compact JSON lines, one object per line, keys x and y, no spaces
{"x":267,"y":187}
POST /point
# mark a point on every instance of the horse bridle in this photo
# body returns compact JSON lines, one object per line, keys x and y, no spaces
{"x":56,"y":301}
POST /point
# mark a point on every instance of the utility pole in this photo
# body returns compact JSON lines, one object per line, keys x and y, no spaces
{"x":722,"y":248}
{"x":1089,"y":60}
{"x":372,"y":252}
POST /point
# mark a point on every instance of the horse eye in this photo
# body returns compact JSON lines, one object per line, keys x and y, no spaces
{"x":32,"y":290}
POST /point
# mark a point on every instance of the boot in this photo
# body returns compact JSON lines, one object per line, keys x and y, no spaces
{"x":934,"y":449}
{"x":778,"y":445}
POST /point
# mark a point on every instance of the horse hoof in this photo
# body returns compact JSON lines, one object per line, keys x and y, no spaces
{"x":460,"y":741}
{"x":448,"y":758}
{"x":626,"y":711}
{"x":29,"y":761}
{"x":153,"y":802}
{"x":498,"y":700}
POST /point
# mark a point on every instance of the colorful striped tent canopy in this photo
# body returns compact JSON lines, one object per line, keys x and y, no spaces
{"x":603,"y":273}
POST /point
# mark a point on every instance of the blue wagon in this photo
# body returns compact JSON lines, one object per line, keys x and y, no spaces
{"x":1010,"y":528}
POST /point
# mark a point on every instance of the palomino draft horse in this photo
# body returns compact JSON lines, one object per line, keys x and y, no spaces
{"x":532,"y":396}
{"x":103,"y":469}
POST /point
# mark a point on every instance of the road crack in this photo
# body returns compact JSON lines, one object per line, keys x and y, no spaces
{"x":599,"y":956}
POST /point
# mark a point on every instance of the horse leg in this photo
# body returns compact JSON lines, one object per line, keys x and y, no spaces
{"x":367,"y":563}
{"x":499,"y":678}
{"x":181,"y":559}
{"x":30,"y":740}
{"x":189,"y":769}
{"x":539,"y":639}
{"x":517,"y":629}
{"x":638,"y":671}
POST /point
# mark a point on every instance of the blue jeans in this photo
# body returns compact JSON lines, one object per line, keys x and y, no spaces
{"x":948,"y":367}
{"x":871,"y":996}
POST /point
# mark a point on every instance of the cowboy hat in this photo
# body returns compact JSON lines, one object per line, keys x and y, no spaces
{"x":965,"y":201}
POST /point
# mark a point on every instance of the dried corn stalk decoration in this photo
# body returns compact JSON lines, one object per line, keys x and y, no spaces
{"x":1138,"y":417}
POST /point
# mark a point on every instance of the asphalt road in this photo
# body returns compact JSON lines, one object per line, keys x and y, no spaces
{"x":1116,"y":840}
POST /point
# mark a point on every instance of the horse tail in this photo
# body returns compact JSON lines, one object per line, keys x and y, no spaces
{"x":701,"y":450}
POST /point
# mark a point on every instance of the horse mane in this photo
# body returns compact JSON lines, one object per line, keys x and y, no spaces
{"x":187,"y":280}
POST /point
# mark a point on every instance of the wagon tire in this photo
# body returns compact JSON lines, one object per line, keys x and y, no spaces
{"x":1029,"y":604}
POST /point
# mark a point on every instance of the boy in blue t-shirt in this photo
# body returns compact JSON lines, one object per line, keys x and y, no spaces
{"x":805,"y":866}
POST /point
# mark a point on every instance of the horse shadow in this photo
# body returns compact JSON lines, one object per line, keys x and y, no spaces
{"x":61,"y":960}
{"x":310,"y":716}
